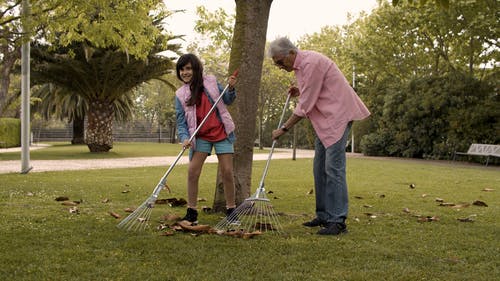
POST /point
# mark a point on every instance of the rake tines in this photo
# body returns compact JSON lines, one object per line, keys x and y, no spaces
{"x":138,"y":220}
{"x":256,"y":213}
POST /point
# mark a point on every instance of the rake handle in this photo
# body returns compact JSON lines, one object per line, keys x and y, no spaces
{"x":266,"y":168}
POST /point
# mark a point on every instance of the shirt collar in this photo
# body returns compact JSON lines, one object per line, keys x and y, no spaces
{"x":298,"y":60}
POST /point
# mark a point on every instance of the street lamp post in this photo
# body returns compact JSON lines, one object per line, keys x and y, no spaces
{"x":25,"y":91}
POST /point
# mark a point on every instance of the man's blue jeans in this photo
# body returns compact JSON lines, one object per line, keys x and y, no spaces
{"x":330,"y":180}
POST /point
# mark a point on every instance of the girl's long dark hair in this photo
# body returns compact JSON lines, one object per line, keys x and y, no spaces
{"x":196,"y":84}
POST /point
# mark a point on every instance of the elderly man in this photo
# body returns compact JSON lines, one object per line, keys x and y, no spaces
{"x":330,"y":103}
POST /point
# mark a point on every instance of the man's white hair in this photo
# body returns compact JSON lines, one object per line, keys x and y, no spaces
{"x":281,"y":46}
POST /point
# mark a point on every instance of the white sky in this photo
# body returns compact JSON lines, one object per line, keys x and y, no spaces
{"x":292,"y":18}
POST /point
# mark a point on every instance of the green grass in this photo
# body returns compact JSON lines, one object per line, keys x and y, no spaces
{"x":65,"y":150}
{"x":42,"y":240}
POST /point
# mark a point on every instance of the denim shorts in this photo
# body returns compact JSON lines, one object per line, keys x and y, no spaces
{"x":221,"y":147}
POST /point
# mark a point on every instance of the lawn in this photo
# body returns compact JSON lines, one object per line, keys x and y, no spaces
{"x":398,"y":229}
{"x":65,"y":150}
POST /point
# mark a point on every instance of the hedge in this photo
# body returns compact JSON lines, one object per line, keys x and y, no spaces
{"x":10,"y":132}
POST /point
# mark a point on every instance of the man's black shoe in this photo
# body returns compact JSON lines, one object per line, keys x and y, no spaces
{"x":315,"y":222}
{"x":333,"y":228}
{"x":191,"y":216}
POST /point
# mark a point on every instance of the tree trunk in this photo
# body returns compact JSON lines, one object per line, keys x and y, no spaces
{"x":78,"y":130}
{"x":99,"y":136}
{"x":247,"y":55}
{"x":6,"y":66}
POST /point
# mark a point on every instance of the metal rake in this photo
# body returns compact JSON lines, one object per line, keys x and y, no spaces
{"x":138,"y":220}
{"x":256,"y":213}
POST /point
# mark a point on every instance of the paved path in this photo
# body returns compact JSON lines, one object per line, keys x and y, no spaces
{"x":14,"y":166}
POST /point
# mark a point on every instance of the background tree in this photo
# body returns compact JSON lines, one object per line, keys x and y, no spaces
{"x":98,"y":67}
{"x":402,"y":52}
{"x":101,"y":77}
{"x":154,"y":101}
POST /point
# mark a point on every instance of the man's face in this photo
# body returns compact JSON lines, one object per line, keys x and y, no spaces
{"x":285,"y":62}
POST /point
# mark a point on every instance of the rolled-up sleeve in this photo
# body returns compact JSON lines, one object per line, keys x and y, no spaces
{"x":229,"y":96}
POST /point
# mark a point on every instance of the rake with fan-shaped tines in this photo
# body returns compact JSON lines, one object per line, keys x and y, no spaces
{"x":256,"y":213}
{"x":138,"y":220}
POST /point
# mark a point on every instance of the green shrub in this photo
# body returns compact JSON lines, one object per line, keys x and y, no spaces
{"x":10,"y":132}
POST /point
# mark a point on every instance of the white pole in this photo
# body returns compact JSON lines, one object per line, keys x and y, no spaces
{"x":25,"y":93}
{"x":353,"y":85}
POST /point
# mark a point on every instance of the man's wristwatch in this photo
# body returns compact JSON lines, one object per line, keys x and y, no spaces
{"x":285,"y":129}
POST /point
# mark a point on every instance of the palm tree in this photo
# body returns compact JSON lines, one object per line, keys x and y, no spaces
{"x":56,"y":102}
{"x":100,"y":77}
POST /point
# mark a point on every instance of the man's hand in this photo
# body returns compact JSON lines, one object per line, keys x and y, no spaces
{"x":277,"y":133}
{"x":294,"y":91}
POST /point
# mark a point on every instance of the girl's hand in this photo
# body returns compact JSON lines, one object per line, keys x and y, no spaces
{"x":232,"y":81}
{"x":186,"y":144}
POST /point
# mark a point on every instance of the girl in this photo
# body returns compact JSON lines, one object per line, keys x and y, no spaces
{"x":192,"y":102}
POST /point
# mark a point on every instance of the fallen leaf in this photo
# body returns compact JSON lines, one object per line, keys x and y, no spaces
{"x":406,"y":210}
{"x":142,"y":219}
{"x":171,"y":217}
{"x":62,"y":198}
{"x":234,"y":233}
{"x":69,"y":203}
{"x":428,"y":219}
{"x":125,"y":191}
{"x":439,"y":199}
{"x":167,"y":233}
{"x":129,"y":210}
{"x":488,"y":189}
{"x":467,"y":219}
{"x":412,"y":185}
{"x":105,"y":200}
{"x":174,"y":202}
{"x":310,"y":192}
{"x":162,"y":226}
{"x":479,"y":203}
{"x":382,"y":195}
{"x":30,"y":194}
{"x":202,"y":199}
{"x":186,"y":225}
{"x":358,"y":197}
{"x":461,"y":205}
{"x":264,"y":226}
{"x":249,"y":235}
{"x":445,"y":204}
{"x":166,"y":187}
{"x":161,"y":201}
{"x":115,"y":215}
{"x":206,"y":209}
{"x":424,"y":195}
{"x":74,"y":210}
{"x":367,"y":206}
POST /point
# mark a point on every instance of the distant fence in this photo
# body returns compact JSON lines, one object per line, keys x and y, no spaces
{"x":137,"y":131}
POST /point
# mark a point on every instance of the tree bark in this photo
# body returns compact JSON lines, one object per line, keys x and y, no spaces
{"x":247,"y":55}
{"x":6,"y":66}
{"x":78,"y":130}
{"x":99,"y":136}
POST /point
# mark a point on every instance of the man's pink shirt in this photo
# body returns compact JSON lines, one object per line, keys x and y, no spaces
{"x":326,"y":98}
